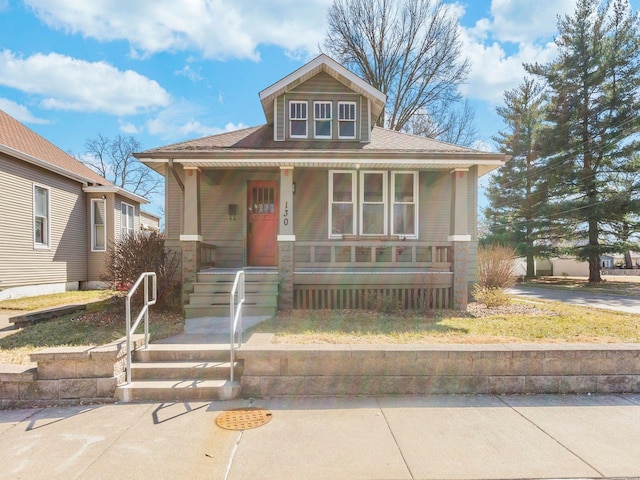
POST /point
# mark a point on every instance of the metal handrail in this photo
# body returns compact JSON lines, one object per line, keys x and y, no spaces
{"x":143,"y":313}
{"x":235,"y":317}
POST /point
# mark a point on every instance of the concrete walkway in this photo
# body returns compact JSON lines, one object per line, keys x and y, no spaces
{"x":440,"y":437}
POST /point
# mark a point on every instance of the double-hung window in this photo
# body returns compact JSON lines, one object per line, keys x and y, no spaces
{"x":404,"y":187}
{"x":298,"y":119}
{"x":126,"y":219}
{"x":373,"y":201}
{"x":322,"y":119}
{"x":346,"y":119}
{"x":41,"y":226}
{"x":342,"y":197}
{"x":360,"y":203}
{"x":98,"y":225}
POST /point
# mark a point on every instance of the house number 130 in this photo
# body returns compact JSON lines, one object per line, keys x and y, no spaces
{"x":285,"y":220}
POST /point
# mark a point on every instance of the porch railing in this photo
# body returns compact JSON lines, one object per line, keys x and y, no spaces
{"x":144,"y":313}
{"x":368,"y":253}
{"x":236,"y":299}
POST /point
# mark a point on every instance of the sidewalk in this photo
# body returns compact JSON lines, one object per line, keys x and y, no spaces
{"x":439,"y":437}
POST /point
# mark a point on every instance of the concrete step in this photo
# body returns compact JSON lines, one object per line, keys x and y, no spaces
{"x":184,"y":370}
{"x":225,"y":288}
{"x":160,"y":352}
{"x":229,"y":277}
{"x":223,"y":299}
{"x":177,"y":390}
{"x":248,"y":310}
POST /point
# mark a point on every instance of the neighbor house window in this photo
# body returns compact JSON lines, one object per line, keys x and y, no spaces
{"x":373,"y":198}
{"x":404,"y":214}
{"x":322,"y":119}
{"x":126,"y":219}
{"x":342,"y":196}
{"x":98,"y":225}
{"x":41,"y":226}
{"x":346,"y":120}
{"x":298,"y":119}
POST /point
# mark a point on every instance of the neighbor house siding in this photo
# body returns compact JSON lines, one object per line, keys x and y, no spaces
{"x":66,"y":258}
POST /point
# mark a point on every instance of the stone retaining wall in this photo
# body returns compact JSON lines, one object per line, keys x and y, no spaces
{"x":272,"y":370}
{"x":66,"y":376}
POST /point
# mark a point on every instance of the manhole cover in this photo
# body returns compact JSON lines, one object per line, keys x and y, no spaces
{"x":243,"y":418}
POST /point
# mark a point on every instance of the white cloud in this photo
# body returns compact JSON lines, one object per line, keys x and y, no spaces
{"x":66,"y":83}
{"x":188,"y":72}
{"x":179,"y":122}
{"x":220,"y":29}
{"x":19,"y":112}
{"x":526,"y":21}
{"x":128,"y":128}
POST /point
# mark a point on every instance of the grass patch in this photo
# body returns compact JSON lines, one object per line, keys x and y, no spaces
{"x":54,"y":300}
{"x":103,"y":322}
{"x":550,"y":322}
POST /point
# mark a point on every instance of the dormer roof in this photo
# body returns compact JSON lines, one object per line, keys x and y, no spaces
{"x":322,"y":63}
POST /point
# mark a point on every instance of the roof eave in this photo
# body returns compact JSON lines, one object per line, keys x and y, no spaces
{"x":118,"y":190}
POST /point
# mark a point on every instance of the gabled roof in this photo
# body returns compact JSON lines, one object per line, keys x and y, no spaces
{"x":19,"y":141}
{"x":255,"y":147}
{"x":322,"y":63}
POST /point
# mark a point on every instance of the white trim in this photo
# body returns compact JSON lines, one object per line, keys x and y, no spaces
{"x":286,"y":167}
{"x":190,"y":238}
{"x":286,"y":238}
{"x":415,"y":203}
{"x":459,"y":238}
{"x":46,"y":245}
{"x":305,"y":119}
{"x":323,"y":119}
{"x":118,"y":190}
{"x":93,"y":225}
{"x":354,"y":203}
{"x":275,"y":119}
{"x":355,"y":120}
{"x":384,"y":203}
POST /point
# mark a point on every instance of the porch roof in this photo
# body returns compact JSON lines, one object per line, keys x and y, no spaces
{"x":255,"y":147}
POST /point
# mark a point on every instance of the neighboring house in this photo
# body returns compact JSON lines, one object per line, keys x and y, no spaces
{"x":58,"y":216}
{"x":336,"y":206}
{"x":149,"y":221}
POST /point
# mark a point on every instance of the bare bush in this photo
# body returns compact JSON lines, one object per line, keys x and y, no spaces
{"x":496,"y":267}
{"x":133,"y":255}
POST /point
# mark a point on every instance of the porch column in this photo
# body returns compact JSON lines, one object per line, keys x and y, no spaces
{"x":190,"y":238}
{"x":460,"y":237}
{"x":286,"y":240}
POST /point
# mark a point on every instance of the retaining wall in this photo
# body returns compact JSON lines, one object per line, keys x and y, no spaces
{"x":272,"y":370}
{"x":66,"y":376}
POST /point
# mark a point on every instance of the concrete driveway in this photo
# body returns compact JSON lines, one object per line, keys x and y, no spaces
{"x":587,"y":299}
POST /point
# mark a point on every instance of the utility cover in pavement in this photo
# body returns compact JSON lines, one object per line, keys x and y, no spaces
{"x":243,"y":418}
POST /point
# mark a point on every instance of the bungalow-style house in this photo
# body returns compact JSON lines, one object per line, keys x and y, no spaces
{"x":58,"y":216}
{"x":335,"y":207}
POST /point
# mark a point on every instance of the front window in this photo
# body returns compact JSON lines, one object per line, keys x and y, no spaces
{"x":342,"y":187}
{"x":404,"y":212}
{"x":298,"y":119}
{"x":98,"y":225}
{"x":373,"y":195}
{"x":126,"y":219}
{"x":346,"y":120}
{"x":41,"y":216}
{"x":322,"y":119}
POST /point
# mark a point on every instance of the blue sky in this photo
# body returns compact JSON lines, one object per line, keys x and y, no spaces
{"x":166,"y":71}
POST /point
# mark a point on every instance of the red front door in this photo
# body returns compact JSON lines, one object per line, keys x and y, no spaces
{"x":262,"y":229}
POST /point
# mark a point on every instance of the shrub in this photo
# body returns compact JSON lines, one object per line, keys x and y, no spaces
{"x":496,"y":267}
{"x":384,"y":303}
{"x":133,"y":255}
{"x":491,"y":297}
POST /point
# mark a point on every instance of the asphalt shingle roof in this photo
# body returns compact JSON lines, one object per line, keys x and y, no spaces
{"x":17,"y":136}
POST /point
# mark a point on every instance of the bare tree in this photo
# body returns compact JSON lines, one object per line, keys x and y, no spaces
{"x":408,"y":49}
{"x":447,"y":123}
{"x":114,"y":160}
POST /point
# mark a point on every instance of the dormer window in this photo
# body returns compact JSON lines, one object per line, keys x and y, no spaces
{"x":346,"y":119}
{"x":298,"y":119}
{"x":322,"y":119}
